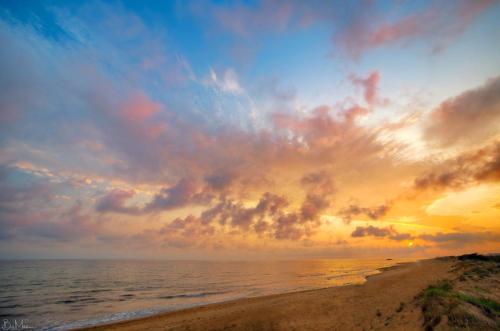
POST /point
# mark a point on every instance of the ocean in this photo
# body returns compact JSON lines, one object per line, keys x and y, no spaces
{"x":67,"y":294}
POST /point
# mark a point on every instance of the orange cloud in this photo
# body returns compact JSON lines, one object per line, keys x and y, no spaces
{"x":470,"y":168}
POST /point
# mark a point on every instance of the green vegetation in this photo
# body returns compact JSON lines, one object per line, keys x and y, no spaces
{"x":440,"y":300}
{"x":487,"y":305}
{"x":440,"y":289}
{"x":435,"y":303}
{"x":464,"y":303}
{"x":477,"y":267}
{"x":479,"y":257}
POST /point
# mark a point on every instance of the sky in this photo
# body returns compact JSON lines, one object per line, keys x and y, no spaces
{"x":249,"y":129}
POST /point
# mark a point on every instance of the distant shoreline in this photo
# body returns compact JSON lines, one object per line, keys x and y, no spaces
{"x":250,"y":313}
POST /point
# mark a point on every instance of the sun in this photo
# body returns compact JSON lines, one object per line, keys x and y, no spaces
{"x":410,"y":244}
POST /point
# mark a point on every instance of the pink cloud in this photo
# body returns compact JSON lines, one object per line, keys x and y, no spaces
{"x":185,"y":192}
{"x":369,"y":86}
{"x":114,"y":201}
{"x":471,"y":117}
{"x":440,"y":24}
{"x":140,"y":108}
{"x":138,"y":112}
{"x":358,"y":27}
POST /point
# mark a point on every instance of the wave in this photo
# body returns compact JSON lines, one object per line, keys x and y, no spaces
{"x":122,"y":316}
{"x":190,"y":295}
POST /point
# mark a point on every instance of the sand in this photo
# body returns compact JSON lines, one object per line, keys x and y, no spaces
{"x":387,"y":301}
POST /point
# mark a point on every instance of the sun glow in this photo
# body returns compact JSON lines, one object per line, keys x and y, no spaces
{"x":201,"y":142}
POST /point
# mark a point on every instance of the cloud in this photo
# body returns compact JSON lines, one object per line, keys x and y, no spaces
{"x":321,"y":131}
{"x":461,"y":237}
{"x":369,"y":86}
{"x":270,"y":217}
{"x":313,"y":206}
{"x":373,"y":213}
{"x":235,"y":214}
{"x":114,"y":201}
{"x":243,"y":20}
{"x":438,"y":24}
{"x":91,"y":105}
{"x":185,"y":192}
{"x":469,"y":118}
{"x":29,"y":210}
{"x":69,"y":226}
{"x":356,"y":27}
{"x":387,"y":232}
{"x":117,"y":131}
{"x":226,"y":82}
{"x":61,"y":81}
{"x":219,"y":181}
{"x":319,"y":189}
{"x":470,"y":168}
{"x":17,"y":198}
{"x":22,"y":71}
{"x":186,"y":232}
{"x":319,"y":182}
{"x":455,"y":239}
{"x":287,"y":229}
{"x":21,"y":203}
{"x":271,"y":204}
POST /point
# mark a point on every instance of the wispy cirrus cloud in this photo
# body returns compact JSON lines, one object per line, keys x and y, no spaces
{"x":472,"y":167}
{"x":120,"y":126}
{"x":356,"y":27}
{"x":429,"y":25}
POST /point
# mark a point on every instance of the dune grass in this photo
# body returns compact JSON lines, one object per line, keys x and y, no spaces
{"x":440,"y":300}
{"x":487,"y":305}
{"x":439,"y":289}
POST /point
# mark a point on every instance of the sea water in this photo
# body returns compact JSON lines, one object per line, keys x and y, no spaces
{"x":67,"y":294}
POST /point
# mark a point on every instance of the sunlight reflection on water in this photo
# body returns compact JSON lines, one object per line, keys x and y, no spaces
{"x":65,"y":294}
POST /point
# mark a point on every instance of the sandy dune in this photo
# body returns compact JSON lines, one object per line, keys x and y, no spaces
{"x":386,"y":301}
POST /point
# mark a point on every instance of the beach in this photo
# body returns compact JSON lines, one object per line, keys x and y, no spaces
{"x":371,"y":305}
{"x":391,"y":300}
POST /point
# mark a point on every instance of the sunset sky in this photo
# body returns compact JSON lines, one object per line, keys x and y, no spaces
{"x":242,"y":130}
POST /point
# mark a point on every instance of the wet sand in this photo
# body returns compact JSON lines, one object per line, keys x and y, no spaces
{"x":385,"y":301}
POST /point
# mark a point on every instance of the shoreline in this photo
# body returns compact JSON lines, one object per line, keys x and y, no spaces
{"x":190,"y":316}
